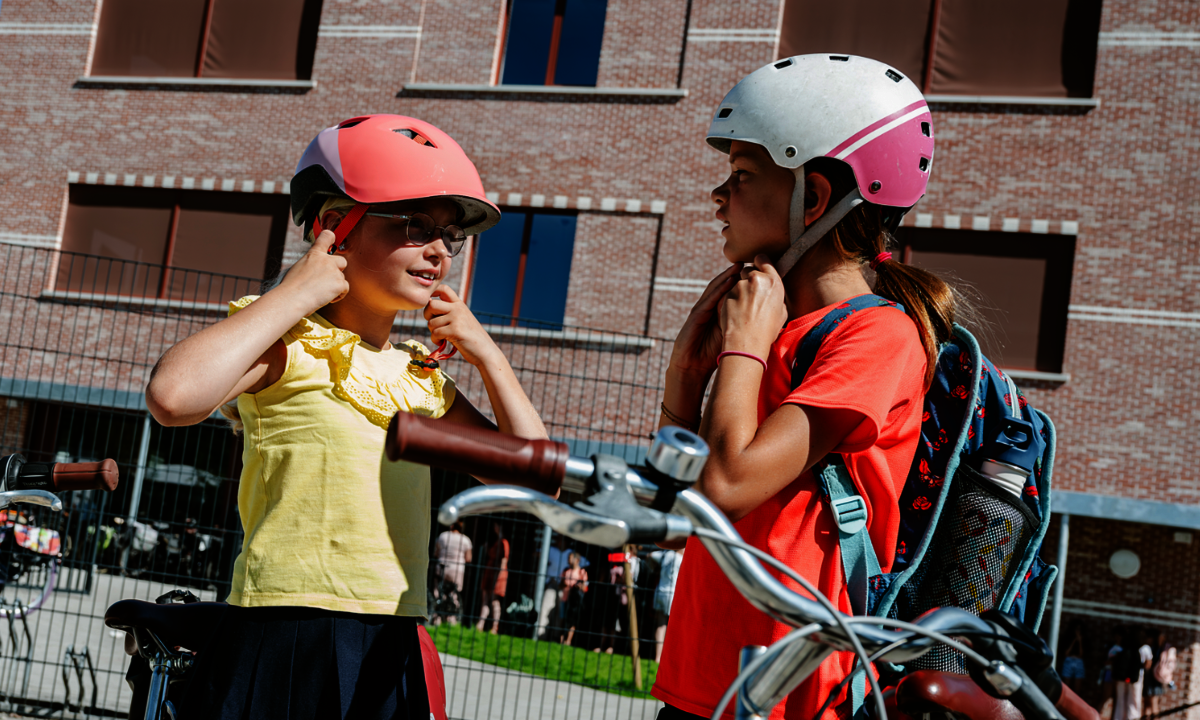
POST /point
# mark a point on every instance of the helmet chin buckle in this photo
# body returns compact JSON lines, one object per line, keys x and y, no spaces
{"x":809,"y":236}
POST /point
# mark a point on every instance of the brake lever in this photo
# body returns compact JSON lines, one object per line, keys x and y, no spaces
{"x":573,"y":522}
{"x":33,"y":497}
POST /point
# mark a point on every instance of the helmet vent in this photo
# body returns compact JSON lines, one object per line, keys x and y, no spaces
{"x":725,"y":112}
{"x":840,"y":58}
{"x":783,"y":63}
{"x":350,"y":123}
{"x":924,"y":164}
{"x":414,"y":136}
{"x":925,"y":129}
{"x":894,"y":76}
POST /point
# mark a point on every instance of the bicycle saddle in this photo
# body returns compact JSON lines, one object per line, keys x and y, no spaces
{"x":175,"y":625}
{"x":932,"y":691}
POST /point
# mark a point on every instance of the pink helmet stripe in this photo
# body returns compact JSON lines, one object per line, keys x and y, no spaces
{"x":873,"y":127}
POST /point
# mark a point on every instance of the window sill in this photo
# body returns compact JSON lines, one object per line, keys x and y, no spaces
{"x":65,"y":296}
{"x":592,"y":338}
{"x":553,"y":92}
{"x":1038,"y":376}
{"x":191,"y":83}
{"x":1049,"y":102}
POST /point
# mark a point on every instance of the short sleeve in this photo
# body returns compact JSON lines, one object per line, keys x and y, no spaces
{"x":868,"y":364}
{"x":241,"y":303}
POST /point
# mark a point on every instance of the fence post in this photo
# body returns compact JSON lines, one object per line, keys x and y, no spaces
{"x":139,"y":472}
{"x":539,"y":587}
{"x":1064,"y":538}
{"x":633,"y":623}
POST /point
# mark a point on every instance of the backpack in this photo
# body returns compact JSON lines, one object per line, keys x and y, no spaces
{"x":963,"y":540}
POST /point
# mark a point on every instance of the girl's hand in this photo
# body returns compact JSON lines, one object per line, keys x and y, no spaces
{"x":754,"y":312}
{"x":700,"y":339}
{"x":450,"y":319}
{"x":318,"y":278}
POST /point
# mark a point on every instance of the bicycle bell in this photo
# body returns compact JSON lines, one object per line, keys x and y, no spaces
{"x":678,"y":454}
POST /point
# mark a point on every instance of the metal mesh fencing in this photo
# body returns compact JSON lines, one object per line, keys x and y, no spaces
{"x":81,"y":337}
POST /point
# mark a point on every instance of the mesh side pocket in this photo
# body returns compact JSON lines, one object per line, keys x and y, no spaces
{"x":979,"y":544}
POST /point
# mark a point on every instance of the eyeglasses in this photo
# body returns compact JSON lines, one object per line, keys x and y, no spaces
{"x":422,"y":230}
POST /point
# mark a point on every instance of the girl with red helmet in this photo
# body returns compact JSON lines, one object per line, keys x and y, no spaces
{"x":826,"y":154}
{"x":330,"y":582}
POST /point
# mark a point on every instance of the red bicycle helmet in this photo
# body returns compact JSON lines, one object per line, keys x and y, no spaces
{"x":377,"y":159}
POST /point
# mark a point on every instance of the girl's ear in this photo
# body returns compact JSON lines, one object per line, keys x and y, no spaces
{"x":331,"y":219}
{"x":817,"y":192}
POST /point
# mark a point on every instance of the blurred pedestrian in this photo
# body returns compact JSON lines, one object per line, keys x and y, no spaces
{"x":668,"y":564}
{"x":550,"y":617}
{"x":574,"y":582}
{"x":451,"y":553}
{"x":1162,"y":672}
{"x":494,"y":583}
{"x":1073,"y":670}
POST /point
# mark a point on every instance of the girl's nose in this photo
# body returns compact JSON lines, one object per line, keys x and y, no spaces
{"x":720,"y":194}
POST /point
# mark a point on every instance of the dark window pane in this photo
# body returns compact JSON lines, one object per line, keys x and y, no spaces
{"x":261,"y":39}
{"x":106,"y":222}
{"x":527,"y":49}
{"x":579,"y":44}
{"x":890,"y":31}
{"x":210,"y":244}
{"x":1012,"y":48}
{"x":1021,"y":283}
{"x":547,"y":271}
{"x":1011,"y":289}
{"x":148,"y":38}
{"x":495,"y":283}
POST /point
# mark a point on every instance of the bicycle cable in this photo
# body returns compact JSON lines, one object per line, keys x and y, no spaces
{"x":837,"y":616}
{"x":758,"y":662}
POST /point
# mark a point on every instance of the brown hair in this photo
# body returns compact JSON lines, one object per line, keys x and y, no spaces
{"x":862,"y":236}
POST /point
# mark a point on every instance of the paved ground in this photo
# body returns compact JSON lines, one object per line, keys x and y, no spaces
{"x":476,"y":691}
{"x":75,"y":620}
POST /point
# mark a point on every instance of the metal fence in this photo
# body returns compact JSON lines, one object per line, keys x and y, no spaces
{"x":81,"y":335}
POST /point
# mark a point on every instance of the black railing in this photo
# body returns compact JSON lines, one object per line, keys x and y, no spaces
{"x":82,"y":336}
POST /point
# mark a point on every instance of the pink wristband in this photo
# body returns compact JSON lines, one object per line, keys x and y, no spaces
{"x":743,"y":354}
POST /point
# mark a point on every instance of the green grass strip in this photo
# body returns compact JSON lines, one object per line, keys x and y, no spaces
{"x":600,"y":671}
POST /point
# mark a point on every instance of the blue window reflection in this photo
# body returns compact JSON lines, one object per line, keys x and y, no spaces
{"x":554,"y":41}
{"x":538,"y":291}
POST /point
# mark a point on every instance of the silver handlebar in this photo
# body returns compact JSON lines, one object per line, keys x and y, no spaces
{"x":753,"y":581}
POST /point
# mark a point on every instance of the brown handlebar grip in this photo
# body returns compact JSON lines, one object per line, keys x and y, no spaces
{"x":1073,"y":707}
{"x":86,"y":476}
{"x":535,"y":464}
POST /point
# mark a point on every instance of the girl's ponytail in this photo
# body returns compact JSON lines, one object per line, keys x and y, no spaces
{"x":929,"y":301}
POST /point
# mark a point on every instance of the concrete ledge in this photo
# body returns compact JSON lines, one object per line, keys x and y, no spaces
{"x":560,"y":92}
{"x":1037,"y":376}
{"x":1079,"y":103}
{"x":192,"y":83}
{"x":64,"y":296}
{"x":1110,"y":507}
{"x":593,"y":338}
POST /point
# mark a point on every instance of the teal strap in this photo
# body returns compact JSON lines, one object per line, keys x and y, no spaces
{"x":850,"y":515}
{"x":858,"y":556}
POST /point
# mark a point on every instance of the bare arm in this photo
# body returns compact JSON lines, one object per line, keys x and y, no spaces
{"x":450,"y":319}
{"x":241,"y":353}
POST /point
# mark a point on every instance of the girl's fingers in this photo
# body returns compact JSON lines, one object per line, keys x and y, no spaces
{"x":323,"y":242}
{"x":447,"y":293}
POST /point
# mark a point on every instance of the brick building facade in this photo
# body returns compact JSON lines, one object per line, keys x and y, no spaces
{"x":1104,"y":178}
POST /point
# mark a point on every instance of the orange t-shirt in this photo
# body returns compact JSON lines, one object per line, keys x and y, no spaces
{"x":872,"y":363}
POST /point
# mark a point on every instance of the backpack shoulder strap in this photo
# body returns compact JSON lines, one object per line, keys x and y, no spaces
{"x":806,"y":354}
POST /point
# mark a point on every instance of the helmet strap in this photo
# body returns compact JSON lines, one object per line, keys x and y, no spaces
{"x":344,"y":227}
{"x":805,"y":238}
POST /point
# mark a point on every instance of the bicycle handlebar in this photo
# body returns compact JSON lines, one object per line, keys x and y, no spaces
{"x":536,"y":464}
{"x":19,"y":475}
{"x":496,"y":456}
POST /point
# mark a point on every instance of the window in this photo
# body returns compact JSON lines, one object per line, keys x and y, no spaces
{"x":958,"y":47}
{"x":170,"y":244}
{"x":553,"y":42}
{"x":522,"y":267}
{"x":1022,"y":282}
{"x":261,"y":39}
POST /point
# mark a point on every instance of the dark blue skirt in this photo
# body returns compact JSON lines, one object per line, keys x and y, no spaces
{"x":294,"y":663}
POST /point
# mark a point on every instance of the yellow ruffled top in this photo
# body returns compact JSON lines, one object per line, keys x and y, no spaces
{"x":329,"y":521}
{"x":418,"y":390}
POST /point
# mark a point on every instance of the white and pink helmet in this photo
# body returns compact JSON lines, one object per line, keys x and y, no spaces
{"x":843,"y":107}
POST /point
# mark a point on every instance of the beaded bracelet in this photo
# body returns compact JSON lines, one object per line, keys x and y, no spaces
{"x":743,"y":354}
